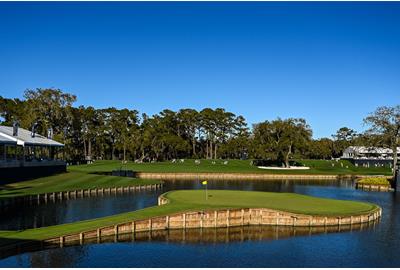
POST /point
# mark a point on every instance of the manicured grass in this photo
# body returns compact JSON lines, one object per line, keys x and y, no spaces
{"x":381,"y":181}
{"x":68,"y":181}
{"x":185,"y":200}
{"x":290,"y":202}
{"x":233,"y":166}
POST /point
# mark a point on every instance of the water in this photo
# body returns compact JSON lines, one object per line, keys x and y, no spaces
{"x":30,"y":215}
{"x":26,"y":215}
{"x":372,"y":246}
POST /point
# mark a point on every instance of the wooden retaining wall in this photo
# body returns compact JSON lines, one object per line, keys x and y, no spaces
{"x":215,"y":219}
{"x":74,"y":194}
{"x":368,"y":187}
{"x":240,"y":176}
{"x":196,"y":235}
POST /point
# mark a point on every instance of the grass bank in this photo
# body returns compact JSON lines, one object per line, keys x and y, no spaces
{"x":323,"y":167}
{"x":186,"y":200}
{"x":68,"y":182}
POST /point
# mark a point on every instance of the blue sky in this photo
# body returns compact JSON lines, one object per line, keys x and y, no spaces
{"x":330,"y":63}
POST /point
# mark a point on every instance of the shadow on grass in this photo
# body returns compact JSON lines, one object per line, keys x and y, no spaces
{"x":7,"y":187}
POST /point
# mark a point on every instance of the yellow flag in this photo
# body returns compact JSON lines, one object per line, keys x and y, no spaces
{"x":204,"y":182}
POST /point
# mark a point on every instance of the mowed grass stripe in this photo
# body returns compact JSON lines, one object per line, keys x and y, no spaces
{"x":68,"y":182}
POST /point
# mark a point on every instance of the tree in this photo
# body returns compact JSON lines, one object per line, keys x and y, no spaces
{"x":385,"y":121}
{"x":15,"y":110}
{"x":344,"y":134}
{"x":189,"y":123}
{"x":343,"y":139}
{"x":279,"y":139}
{"x":50,"y":107}
{"x":125,"y":123}
{"x":207,"y":123}
{"x":321,"y":149}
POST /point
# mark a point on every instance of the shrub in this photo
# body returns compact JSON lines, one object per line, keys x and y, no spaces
{"x":375,"y":181}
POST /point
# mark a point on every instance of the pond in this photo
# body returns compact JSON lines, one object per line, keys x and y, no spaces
{"x":370,"y":246}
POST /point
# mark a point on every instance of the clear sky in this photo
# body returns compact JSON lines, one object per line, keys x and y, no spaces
{"x":330,"y":63}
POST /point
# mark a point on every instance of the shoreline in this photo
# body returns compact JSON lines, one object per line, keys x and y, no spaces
{"x":244,"y":176}
{"x":218,"y":218}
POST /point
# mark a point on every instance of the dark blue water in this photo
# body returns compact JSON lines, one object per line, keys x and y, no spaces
{"x":373,"y":246}
{"x":30,"y":215}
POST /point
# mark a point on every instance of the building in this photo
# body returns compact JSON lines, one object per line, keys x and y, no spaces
{"x":24,"y":154}
{"x":370,"y":156}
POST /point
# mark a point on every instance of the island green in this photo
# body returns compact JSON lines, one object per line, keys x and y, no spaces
{"x":188,"y":200}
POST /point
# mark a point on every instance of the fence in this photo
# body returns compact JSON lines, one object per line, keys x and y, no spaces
{"x":74,"y":194}
{"x":240,"y":176}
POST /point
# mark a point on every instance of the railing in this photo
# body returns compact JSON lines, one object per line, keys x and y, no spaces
{"x":35,"y":163}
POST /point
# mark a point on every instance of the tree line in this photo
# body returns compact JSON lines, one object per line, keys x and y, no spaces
{"x":125,"y":134}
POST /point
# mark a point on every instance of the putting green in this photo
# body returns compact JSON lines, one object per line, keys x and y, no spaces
{"x":290,"y":202}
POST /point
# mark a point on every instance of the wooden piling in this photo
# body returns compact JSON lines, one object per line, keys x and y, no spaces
{"x":81,"y":238}
{"x":133,"y":227}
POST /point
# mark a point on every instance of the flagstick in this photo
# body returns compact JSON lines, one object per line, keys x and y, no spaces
{"x":206,"y":192}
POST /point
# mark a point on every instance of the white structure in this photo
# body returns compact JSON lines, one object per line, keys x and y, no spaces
{"x":369,"y":156}
{"x":20,"y":148}
{"x":362,"y":152}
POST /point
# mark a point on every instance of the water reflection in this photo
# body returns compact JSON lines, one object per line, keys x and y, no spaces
{"x":231,"y":234}
{"x":51,"y":255}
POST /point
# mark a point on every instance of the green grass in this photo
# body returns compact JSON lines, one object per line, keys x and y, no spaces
{"x":381,"y":181}
{"x":185,"y":200}
{"x":233,"y":166}
{"x":290,"y":202}
{"x":67,"y":182}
